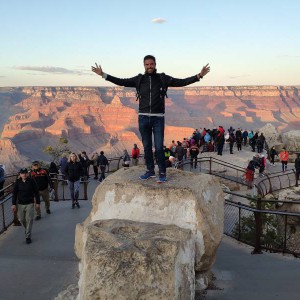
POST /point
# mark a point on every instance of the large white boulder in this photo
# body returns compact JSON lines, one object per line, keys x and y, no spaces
{"x":188,"y":200}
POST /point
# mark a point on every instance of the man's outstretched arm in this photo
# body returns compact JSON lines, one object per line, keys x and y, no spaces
{"x":128,"y":82}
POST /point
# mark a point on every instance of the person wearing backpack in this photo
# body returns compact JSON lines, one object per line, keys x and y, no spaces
{"x":151,"y":92}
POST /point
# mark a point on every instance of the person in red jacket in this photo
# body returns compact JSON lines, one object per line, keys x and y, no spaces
{"x":135,"y":154}
{"x":284,"y":158}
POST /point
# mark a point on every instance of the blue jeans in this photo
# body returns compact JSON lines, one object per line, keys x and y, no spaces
{"x":155,"y":125}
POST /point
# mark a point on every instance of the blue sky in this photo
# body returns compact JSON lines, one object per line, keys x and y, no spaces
{"x":54,"y":43}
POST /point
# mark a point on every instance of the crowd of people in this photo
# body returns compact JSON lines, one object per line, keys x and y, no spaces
{"x":35,"y":183}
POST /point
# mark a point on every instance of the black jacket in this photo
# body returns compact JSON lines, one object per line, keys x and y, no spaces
{"x":150,"y":89}
{"x":24,"y":192}
{"x":74,"y":171}
{"x":102,"y":160}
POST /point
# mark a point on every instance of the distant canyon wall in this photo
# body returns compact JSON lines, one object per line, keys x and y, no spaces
{"x":106,"y":117}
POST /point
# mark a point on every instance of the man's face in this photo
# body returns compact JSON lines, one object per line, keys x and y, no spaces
{"x":149,"y":65}
{"x":24,"y":176}
{"x":35,"y":166}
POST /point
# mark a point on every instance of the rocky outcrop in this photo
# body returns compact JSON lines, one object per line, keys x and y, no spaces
{"x":123,"y":259}
{"x":187,"y":200}
{"x":292,"y":140}
{"x":11,"y":158}
{"x":271,"y":134}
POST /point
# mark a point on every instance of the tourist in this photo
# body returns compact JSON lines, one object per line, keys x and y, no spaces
{"x":135,"y":154}
{"x":284,"y":157}
{"x":74,"y":171}
{"x":126,"y":159}
{"x":24,"y":192}
{"x":102,"y":162}
{"x":151,"y":92}
{"x":43,"y":180}
{"x":273,"y":153}
{"x":94,"y":162}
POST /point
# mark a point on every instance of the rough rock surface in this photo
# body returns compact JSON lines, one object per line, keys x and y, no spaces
{"x":188,"y":200}
{"x":130,"y":260}
{"x":271,"y":134}
{"x":292,"y":140}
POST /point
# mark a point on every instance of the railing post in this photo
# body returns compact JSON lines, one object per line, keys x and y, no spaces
{"x":3,"y":217}
{"x":285,"y":229}
{"x":210,"y":163}
{"x":258,"y":228}
{"x":55,"y":187}
{"x":85,"y":184}
{"x":239,"y":234}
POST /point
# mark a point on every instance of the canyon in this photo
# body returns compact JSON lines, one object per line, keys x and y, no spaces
{"x":105,"y":118}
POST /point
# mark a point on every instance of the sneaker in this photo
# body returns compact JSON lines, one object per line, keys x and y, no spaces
{"x":77,"y":204}
{"x":162,"y":178}
{"x":147,"y":175}
{"x":48,"y":211}
{"x":38,"y":218}
{"x":28,"y":240}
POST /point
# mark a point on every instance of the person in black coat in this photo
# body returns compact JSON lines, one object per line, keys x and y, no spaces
{"x":74,"y":171}
{"x":297,"y":167}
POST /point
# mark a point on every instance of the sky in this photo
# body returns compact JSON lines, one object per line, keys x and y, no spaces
{"x":55,"y":43}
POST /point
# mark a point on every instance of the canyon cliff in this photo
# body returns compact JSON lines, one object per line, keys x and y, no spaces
{"x":105,"y":118}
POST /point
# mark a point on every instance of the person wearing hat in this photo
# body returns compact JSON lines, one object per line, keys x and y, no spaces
{"x":43,"y":180}
{"x":25,"y":194}
{"x":284,"y":157}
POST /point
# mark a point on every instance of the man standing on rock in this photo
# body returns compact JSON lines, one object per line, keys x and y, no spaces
{"x":151,"y":92}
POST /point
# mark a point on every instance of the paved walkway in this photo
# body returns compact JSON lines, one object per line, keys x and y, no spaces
{"x":243,"y":276}
{"x":41,"y":270}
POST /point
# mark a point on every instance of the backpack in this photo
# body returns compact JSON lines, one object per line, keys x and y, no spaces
{"x":163,"y":89}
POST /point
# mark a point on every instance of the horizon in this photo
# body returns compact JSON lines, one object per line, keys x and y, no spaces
{"x":246,"y":44}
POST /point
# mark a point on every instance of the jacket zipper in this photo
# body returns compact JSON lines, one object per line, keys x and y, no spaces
{"x":150,"y":94}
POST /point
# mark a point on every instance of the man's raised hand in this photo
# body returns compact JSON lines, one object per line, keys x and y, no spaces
{"x":97,"y":69}
{"x":204,"y":71}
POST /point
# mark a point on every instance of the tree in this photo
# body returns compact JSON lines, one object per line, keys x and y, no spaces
{"x":57,"y":151}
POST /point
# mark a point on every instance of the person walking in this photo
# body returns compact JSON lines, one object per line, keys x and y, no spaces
{"x":297,"y":168}
{"x":43,"y":180}
{"x":151,"y":92}
{"x":74,"y":171}
{"x":135,"y":154}
{"x":273,"y":153}
{"x":94,"y":160}
{"x":24,"y":192}
{"x":102,"y":162}
{"x":284,"y":157}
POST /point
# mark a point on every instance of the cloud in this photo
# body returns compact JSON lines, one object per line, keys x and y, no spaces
{"x":52,"y":70}
{"x":158,"y":20}
{"x":237,"y":76}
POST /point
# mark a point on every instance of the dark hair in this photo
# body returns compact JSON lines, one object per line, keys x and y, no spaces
{"x":101,"y":152}
{"x":149,"y":57}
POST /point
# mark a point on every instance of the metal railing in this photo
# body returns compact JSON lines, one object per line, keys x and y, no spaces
{"x":261,"y":226}
{"x":213,"y":166}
